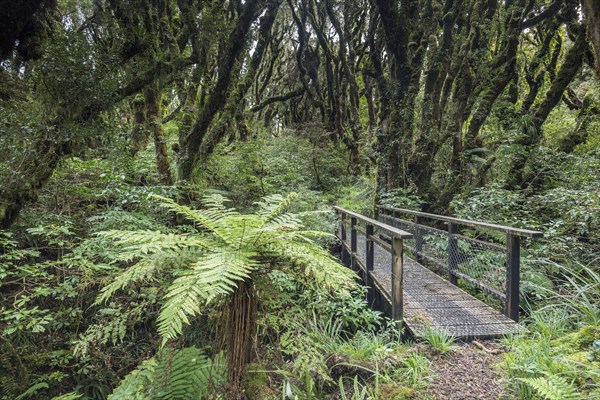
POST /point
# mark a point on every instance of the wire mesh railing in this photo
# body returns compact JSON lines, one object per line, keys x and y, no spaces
{"x":465,"y":250}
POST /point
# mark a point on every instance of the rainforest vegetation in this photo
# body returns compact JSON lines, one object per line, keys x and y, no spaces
{"x":168,"y":167}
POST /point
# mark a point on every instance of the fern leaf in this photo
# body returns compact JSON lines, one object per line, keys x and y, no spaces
{"x":138,"y":272}
{"x":274,"y":205}
{"x":217,"y":274}
{"x":552,"y":387}
{"x":187,"y":374}
{"x":32,"y":390}
{"x":143,"y":243}
{"x":177,"y":375}
{"x":137,"y":385}
{"x":317,"y":264}
{"x":211,"y":219}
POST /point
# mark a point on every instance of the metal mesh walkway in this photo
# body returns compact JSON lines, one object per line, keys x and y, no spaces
{"x":430,"y":300}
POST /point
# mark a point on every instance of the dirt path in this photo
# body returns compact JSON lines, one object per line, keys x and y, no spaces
{"x":468,"y":373}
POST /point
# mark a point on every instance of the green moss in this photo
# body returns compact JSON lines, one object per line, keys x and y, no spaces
{"x":255,"y":383}
{"x":580,"y":340}
{"x":390,"y":391}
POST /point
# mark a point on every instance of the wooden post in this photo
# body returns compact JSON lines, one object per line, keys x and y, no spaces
{"x":452,"y":252}
{"x":513,"y":248}
{"x":397,"y":270}
{"x":418,"y":240}
{"x":370,"y":257}
{"x":343,"y":239}
{"x":353,"y":234}
{"x":353,"y":243}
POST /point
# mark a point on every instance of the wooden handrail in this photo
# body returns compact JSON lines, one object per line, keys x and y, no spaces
{"x":385,"y":227}
{"x":466,"y":222}
{"x":349,"y":255}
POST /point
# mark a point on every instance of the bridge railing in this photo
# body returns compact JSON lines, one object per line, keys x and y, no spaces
{"x":485,"y":255}
{"x":351,"y":224}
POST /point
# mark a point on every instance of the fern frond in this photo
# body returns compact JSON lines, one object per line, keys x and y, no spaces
{"x":215,"y":201}
{"x":137,"y":385}
{"x":217,"y":274}
{"x":32,"y":390}
{"x":179,"y":375}
{"x":142,"y":243}
{"x":274,"y":205}
{"x":287,"y":221}
{"x":552,"y":387}
{"x":210,"y":219}
{"x":136,"y":273}
{"x":316,"y":263}
{"x":302,"y":236}
{"x":187,"y":374}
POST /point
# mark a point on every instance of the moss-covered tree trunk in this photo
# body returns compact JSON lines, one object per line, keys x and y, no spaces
{"x":228,"y":66}
{"x":139,"y":131}
{"x":154,"y":121}
{"x":591,"y":9}
{"x":532,"y":136}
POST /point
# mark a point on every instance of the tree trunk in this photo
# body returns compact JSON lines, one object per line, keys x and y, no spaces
{"x":591,"y":9}
{"x":154,"y":120}
{"x":240,"y":331}
{"x":568,"y":69}
{"x":139,"y":133}
{"x":228,"y":65}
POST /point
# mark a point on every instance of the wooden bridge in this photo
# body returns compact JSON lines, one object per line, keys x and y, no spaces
{"x":413,"y":263}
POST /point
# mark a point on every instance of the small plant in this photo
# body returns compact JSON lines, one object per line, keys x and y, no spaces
{"x":439,"y":340}
{"x":359,"y":392}
{"x":553,"y":387}
{"x":177,"y":375}
{"x":416,"y":367}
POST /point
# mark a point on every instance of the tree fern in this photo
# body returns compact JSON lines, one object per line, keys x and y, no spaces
{"x":552,"y":387}
{"x":227,"y":249}
{"x":211,"y":219}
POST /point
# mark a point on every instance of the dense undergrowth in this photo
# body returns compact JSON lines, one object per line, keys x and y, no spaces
{"x":312,"y":341}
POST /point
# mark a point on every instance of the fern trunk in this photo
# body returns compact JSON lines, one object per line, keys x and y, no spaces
{"x":240,"y":330}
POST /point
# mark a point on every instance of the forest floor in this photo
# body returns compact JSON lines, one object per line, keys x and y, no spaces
{"x":468,"y":373}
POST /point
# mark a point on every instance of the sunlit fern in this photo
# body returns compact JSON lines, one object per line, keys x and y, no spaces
{"x":229,"y":247}
{"x":552,"y":387}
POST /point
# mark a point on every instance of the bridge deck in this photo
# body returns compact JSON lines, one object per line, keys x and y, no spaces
{"x":430,"y":300}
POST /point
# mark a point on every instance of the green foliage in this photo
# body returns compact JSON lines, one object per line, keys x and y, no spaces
{"x":400,"y":198}
{"x":228,"y":247}
{"x":439,"y":340}
{"x":357,"y":197}
{"x":552,"y":387}
{"x":556,"y":357}
{"x":358,"y":392}
{"x":179,"y":375}
{"x":247,"y":171}
{"x":416,"y":367}
{"x":68,"y":396}
{"x":32,"y":391}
